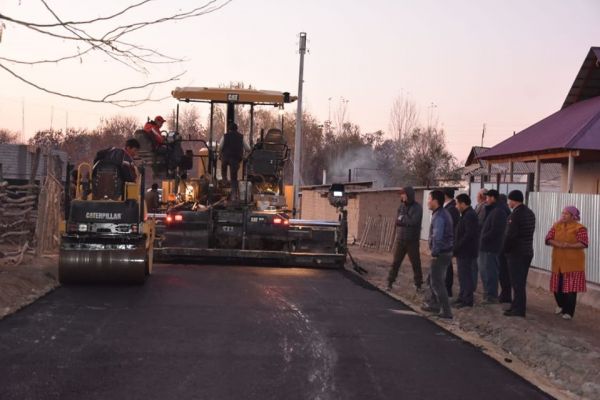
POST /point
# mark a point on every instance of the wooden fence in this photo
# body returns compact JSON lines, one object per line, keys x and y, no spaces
{"x":30,"y":214}
{"x":378,"y":233}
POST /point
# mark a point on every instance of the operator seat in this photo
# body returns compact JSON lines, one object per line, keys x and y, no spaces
{"x":108,"y":182}
{"x":275,"y":141}
{"x":267,"y":159}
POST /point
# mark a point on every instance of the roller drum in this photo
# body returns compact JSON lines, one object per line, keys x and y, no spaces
{"x":102,"y":266}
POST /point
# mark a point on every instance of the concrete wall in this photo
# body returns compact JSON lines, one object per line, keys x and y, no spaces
{"x":16,"y":161}
{"x":586,"y":178}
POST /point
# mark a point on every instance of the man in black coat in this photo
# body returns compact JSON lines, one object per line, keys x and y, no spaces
{"x":232,"y":147}
{"x":466,"y":250}
{"x":450,"y":206}
{"x":408,"y":237}
{"x":505,"y":295}
{"x":490,"y":246}
{"x":518,"y":247}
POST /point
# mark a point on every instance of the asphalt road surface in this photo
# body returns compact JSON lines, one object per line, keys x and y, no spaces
{"x":219,"y":332}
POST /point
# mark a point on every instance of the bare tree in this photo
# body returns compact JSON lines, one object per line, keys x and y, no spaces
{"x":341,"y":114}
{"x":189,"y":123}
{"x":404,"y":117}
{"x":7,"y":136}
{"x":427,"y":157}
{"x":112,"y":41}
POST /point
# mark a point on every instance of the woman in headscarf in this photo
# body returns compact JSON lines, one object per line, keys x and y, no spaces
{"x":568,"y":239}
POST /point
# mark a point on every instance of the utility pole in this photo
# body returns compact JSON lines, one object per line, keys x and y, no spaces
{"x":298,"y":138}
{"x":22,"y":119}
{"x":482,"y":135}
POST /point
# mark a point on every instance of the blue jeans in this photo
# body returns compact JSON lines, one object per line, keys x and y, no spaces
{"x":489,"y":268}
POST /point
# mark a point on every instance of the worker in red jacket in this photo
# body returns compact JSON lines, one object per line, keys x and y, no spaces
{"x":152,"y":128}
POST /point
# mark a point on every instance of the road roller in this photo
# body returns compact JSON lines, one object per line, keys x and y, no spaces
{"x":106,"y":238}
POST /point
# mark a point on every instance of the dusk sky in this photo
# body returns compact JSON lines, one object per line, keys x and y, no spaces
{"x":503,"y":63}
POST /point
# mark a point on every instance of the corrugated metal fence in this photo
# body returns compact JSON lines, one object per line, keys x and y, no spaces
{"x":547,"y":208}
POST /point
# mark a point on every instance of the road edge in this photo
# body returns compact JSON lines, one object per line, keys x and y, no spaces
{"x":488,"y":348}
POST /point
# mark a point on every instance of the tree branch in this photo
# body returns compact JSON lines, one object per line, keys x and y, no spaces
{"x":105,"y":99}
{"x":110,"y":43}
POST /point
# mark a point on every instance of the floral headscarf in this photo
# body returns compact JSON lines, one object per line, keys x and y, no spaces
{"x":573,"y":211}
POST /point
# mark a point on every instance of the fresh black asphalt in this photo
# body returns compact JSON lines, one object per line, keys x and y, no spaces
{"x":219,"y":332}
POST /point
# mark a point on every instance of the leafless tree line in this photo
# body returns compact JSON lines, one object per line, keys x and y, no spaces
{"x":112,"y":41}
{"x":404,"y":117}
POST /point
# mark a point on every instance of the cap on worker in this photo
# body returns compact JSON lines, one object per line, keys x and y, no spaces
{"x":516,"y":195}
{"x":158,"y":118}
{"x":493,"y":193}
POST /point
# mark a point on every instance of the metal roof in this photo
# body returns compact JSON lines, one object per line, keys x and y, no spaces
{"x":477,"y":167}
{"x":549,"y":171}
{"x":587,"y":81}
{"x":576,"y":127}
{"x":225,"y":95}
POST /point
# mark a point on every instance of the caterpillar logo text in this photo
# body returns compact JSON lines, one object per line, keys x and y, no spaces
{"x":105,"y":216}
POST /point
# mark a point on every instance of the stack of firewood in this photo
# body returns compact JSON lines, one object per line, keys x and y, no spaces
{"x":18,"y":218}
{"x":30,"y":214}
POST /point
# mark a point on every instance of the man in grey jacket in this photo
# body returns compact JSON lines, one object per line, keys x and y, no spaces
{"x":408,"y":235}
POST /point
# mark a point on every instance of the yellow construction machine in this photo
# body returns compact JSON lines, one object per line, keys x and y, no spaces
{"x":107,"y":237}
{"x":207,"y":223}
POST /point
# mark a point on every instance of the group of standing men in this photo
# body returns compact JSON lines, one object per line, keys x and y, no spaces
{"x":493,"y":240}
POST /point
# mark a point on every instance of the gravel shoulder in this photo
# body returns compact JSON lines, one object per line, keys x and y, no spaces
{"x":561,"y":357}
{"x":21,"y":285}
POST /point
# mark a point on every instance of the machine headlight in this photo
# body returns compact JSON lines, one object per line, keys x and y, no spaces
{"x":82,"y":228}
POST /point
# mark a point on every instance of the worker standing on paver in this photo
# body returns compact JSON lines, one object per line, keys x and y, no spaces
{"x":232,"y":147}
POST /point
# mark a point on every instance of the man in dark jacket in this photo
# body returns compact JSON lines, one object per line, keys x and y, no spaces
{"x":505,"y":295}
{"x":490,"y":246}
{"x":232,"y":147}
{"x":518,"y":247}
{"x":441,"y":242}
{"x":123,"y":158}
{"x":450,"y":206}
{"x":466,"y":250}
{"x":480,"y":211}
{"x":408,"y":235}
{"x":152,"y":199}
{"x":480,"y":207}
